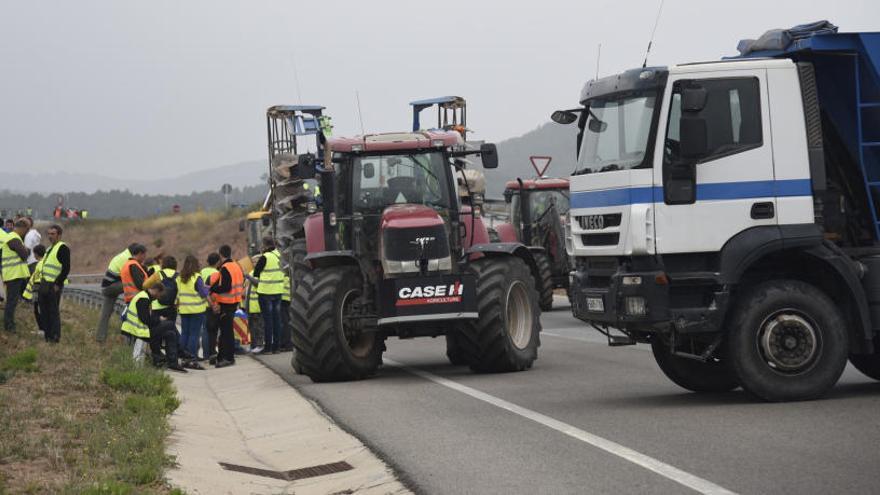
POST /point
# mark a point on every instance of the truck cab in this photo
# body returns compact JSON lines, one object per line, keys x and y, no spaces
{"x":721,"y":211}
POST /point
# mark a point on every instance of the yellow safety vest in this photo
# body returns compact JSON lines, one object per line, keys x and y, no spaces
{"x":253,"y":303}
{"x":51,"y":265}
{"x":116,"y":263}
{"x":133,"y":325}
{"x":14,"y":267}
{"x":156,"y":268}
{"x":163,"y":274}
{"x":206,"y":274}
{"x":285,"y":296}
{"x":189,"y":301}
{"x":28,"y":294}
{"x":272,"y":277}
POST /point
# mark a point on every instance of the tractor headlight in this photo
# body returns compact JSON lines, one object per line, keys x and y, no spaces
{"x":311,"y":207}
{"x":392,"y":267}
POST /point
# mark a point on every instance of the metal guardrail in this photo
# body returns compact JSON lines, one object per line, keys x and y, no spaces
{"x":90,"y":298}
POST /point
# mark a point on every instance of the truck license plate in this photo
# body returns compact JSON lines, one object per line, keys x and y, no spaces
{"x":595,"y":304}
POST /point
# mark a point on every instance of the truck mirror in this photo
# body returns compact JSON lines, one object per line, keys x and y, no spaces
{"x":489,"y":154}
{"x":596,"y":125}
{"x":369,"y":170}
{"x":563,"y":117}
{"x":694,"y":139}
{"x":693,"y":99}
{"x":305,"y":167}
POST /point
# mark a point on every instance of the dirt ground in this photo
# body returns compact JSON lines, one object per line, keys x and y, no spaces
{"x":95,"y":242}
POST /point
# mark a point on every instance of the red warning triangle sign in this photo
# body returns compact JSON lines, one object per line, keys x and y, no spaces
{"x":541,"y":164}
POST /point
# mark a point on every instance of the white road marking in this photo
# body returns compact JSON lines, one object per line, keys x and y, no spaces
{"x":667,"y":471}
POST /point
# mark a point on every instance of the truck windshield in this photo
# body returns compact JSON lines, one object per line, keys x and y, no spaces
{"x":615,"y":134}
{"x":418,"y":178}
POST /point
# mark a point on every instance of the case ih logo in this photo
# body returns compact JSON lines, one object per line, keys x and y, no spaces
{"x":430,"y":294}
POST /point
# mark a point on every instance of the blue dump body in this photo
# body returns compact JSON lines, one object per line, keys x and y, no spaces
{"x":847,"y":67}
{"x":451,"y":102}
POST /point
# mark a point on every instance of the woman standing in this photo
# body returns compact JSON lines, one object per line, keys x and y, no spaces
{"x":191,"y":294}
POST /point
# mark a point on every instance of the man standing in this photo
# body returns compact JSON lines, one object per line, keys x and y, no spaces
{"x":31,"y":240}
{"x":226,"y":295}
{"x":14,"y":271}
{"x":286,"y":331}
{"x":269,"y":289}
{"x":56,"y":267}
{"x":111,"y":287}
{"x":133,"y":275}
{"x":209,"y":275}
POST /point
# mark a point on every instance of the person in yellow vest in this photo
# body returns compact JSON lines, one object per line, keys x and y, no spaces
{"x":33,"y":286}
{"x":209,"y":330}
{"x":56,"y":267}
{"x":191,"y":304}
{"x":141,"y":322}
{"x":167,"y":275}
{"x":15,"y":273}
{"x":286,"y":331}
{"x":255,"y":317}
{"x":111,"y":286}
{"x":270,"y":287}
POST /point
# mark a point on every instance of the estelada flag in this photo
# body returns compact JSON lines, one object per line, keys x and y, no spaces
{"x":240,"y":328}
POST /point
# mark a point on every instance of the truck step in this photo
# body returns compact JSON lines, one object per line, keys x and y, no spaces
{"x":620,"y":340}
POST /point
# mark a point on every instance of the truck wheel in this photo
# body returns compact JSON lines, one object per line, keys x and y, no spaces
{"x":693,"y":375}
{"x":544,"y":284}
{"x":787,"y":341}
{"x":330,"y":344}
{"x":868,"y":364}
{"x":505,"y":337}
{"x":453,"y":350}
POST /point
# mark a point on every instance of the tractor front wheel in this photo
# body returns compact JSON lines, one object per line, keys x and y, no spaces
{"x":331,"y":340}
{"x":505,"y":336}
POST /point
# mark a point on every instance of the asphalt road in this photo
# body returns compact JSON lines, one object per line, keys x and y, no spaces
{"x":588,"y":418}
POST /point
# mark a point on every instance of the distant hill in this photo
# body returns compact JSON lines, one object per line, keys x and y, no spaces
{"x":549,"y":139}
{"x":239,"y":175}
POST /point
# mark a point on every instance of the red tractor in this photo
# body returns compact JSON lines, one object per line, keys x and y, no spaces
{"x":395,"y":253}
{"x":537,"y":209}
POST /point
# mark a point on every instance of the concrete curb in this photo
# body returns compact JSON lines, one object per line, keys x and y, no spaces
{"x":248,"y":416}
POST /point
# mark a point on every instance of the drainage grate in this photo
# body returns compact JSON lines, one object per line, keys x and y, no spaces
{"x":293,"y":474}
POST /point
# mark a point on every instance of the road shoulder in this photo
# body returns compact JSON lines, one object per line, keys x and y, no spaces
{"x":247,"y":416}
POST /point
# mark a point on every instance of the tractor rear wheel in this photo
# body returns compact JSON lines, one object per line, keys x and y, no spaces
{"x":505,"y":336}
{"x":331,"y":341}
{"x":544,"y":283}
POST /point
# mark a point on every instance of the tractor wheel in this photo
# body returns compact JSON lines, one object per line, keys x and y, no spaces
{"x":693,"y":375}
{"x":505,"y":336}
{"x":331,"y":345}
{"x":544,"y":283}
{"x":787,"y":341}
{"x":453,"y":349}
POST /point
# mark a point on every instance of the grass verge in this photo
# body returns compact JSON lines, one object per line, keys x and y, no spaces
{"x":80,"y":417}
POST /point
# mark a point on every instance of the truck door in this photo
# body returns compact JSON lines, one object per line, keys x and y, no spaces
{"x":734,"y":187}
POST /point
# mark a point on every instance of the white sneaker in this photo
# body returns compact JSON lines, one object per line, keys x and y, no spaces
{"x":256,"y":350}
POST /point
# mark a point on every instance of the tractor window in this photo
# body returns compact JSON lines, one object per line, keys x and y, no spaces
{"x":418,"y":178}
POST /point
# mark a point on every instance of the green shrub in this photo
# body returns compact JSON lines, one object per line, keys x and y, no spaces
{"x":25,"y":360}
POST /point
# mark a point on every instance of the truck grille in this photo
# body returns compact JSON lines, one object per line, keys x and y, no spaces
{"x":610,"y":239}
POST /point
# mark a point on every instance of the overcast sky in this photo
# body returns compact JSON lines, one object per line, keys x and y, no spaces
{"x":160,"y":88}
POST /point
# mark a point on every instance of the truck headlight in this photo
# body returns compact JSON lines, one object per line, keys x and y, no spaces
{"x":635,"y":306}
{"x":632,"y":280}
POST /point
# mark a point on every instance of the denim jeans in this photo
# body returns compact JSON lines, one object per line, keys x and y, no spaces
{"x":270,"y":308}
{"x":191,"y":330}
